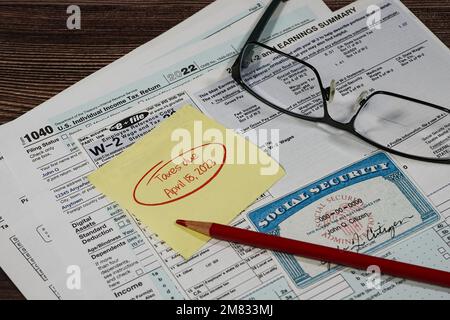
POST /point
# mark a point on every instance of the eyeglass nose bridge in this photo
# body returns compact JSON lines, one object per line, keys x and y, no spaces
{"x":356,"y":107}
{"x":360,"y":101}
{"x":330,"y":91}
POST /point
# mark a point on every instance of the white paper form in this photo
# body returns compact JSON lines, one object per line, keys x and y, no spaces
{"x":215,"y":17}
{"x":360,"y":59}
{"x":132,"y":240}
{"x":25,"y":253}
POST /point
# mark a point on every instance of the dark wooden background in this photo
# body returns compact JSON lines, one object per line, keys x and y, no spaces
{"x":40,"y":57}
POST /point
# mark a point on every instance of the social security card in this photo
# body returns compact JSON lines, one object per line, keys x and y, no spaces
{"x":364,"y":207}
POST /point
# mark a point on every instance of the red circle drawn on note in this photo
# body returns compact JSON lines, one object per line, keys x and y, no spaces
{"x":187,"y":194}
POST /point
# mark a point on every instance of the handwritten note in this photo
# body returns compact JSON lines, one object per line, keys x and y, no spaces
{"x":188,"y":167}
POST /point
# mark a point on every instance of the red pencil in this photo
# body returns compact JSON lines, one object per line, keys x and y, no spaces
{"x":319,"y":252}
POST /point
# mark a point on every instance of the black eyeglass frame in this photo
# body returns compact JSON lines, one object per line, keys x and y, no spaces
{"x":326,"y":92}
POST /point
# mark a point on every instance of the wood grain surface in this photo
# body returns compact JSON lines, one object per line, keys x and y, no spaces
{"x":40,"y":57}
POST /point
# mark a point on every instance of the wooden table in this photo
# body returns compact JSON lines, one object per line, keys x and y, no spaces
{"x":40,"y":57}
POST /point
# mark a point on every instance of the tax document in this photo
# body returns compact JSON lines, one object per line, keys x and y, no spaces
{"x":123,"y":265}
{"x":338,"y":190}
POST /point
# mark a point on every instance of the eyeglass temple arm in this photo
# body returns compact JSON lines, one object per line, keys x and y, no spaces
{"x":259,"y":28}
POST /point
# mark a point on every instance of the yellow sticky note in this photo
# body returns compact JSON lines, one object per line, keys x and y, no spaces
{"x":189,"y":167}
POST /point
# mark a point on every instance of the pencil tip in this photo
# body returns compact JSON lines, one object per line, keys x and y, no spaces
{"x":181,"y":222}
{"x":199,"y":226}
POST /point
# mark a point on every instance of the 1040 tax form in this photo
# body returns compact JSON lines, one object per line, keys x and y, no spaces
{"x":23,"y":238}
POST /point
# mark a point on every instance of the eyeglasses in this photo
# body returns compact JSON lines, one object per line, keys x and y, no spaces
{"x":392,"y":122}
